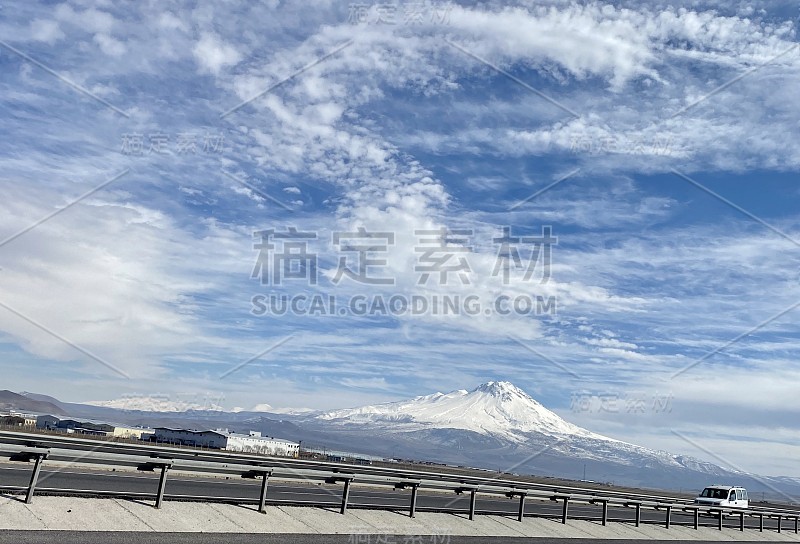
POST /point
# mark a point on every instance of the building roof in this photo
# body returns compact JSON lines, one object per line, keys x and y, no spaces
{"x":193,"y":431}
{"x":228,"y":434}
{"x":265,"y":438}
{"x":83,"y":420}
{"x":132,"y":427}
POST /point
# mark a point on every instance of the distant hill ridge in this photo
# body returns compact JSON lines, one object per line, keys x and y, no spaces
{"x":14,"y":401}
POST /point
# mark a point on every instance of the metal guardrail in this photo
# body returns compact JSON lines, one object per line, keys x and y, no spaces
{"x":98,"y":445}
{"x":38,"y":449}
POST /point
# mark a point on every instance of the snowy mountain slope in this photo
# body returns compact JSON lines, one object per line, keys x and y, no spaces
{"x":509,"y":420}
{"x":155,"y":403}
{"x":494,"y":408}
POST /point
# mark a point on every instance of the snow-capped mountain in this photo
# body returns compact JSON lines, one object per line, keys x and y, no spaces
{"x":499,"y":424}
{"x":155,"y":403}
{"x":267,"y":408}
{"x":495,"y":408}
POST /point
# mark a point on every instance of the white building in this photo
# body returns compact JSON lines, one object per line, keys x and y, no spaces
{"x":224,"y":440}
{"x":255,"y":443}
{"x":141,"y":433}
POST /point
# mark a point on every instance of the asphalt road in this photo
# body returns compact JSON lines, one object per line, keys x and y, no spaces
{"x":308,"y":492}
{"x":107,"y":537}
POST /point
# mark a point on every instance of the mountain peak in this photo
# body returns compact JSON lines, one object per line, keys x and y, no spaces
{"x":495,"y":407}
{"x":500,"y":389}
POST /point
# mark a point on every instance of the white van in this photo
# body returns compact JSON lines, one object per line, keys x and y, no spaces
{"x":724,"y":496}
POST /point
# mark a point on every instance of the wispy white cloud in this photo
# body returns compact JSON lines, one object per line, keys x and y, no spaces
{"x":213,"y":53}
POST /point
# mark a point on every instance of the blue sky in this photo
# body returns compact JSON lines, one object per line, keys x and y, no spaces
{"x":672,"y":127}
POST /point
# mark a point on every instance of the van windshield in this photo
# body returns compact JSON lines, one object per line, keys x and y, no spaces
{"x":712,"y":493}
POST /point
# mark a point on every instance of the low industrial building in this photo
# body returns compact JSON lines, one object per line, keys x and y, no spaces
{"x":91,"y":427}
{"x":66,"y":425}
{"x":140,"y":433}
{"x":47,"y":422}
{"x":188,"y":437}
{"x":222,"y":439}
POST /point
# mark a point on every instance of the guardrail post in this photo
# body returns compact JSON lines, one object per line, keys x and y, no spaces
{"x":741,"y":521}
{"x":719,"y":523}
{"x":696,"y":519}
{"x":162,"y":484}
{"x":413,"y":509}
{"x":796,"y":518}
{"x":605,"y":512}
{"x":761,"y":522}
{"x":164,"y":465}
{"x":345,"y":495}
{"x":521,"y":514}
{"x":262,"y":501}
{"x":779,"y":523}
{"x":565,"y":512}
{"x":669,"y":515}
{"x":638,"y":514}
{"x":37,"y":467}
{"x":472,"y":499}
